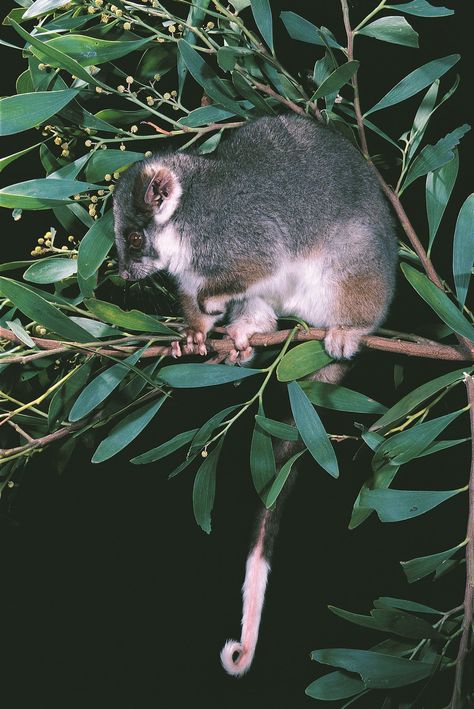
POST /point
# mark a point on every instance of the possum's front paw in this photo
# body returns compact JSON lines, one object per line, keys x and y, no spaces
{"x":195,"y":342}
{"x":342,"y":343}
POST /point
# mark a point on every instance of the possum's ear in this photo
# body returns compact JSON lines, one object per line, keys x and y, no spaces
{"x":161,"y":187}
{"x":158,"y":190}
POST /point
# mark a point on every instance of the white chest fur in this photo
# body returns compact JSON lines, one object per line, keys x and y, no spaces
{"x":304,"y":288}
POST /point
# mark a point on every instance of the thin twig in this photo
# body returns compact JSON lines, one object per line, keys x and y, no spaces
{"x":457,"y":699}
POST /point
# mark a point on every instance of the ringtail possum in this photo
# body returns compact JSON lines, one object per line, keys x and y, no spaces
{"x":285,"y":218}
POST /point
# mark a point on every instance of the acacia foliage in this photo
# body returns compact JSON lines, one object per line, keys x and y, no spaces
{"x":92,"y":85}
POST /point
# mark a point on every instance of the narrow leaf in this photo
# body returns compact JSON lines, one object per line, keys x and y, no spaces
{"x":204,"y":489}
{"x":378,"y":671}
{"x":312,"y":430}
{"x":392,"y":29}
{"x":397,"y":505}
{"x":438,"y":301}
{"x":463,"y":249}
{"x":435,"y":156}
{"x":334,"y":686}
{"x":38,"y":309}
{"x":262,"y":458}
{"x":335,"y":81}
{"x":302,"y":360}
{"x":304,"y":31}
{"x":95,"y":245}
{"x":51,"y":270}
{"x":41,"y":7}
{"x":422,"y":8}
{"x":102,"y":386}
{"x":416,"y":81}
{"x":281,"y":478}
{"x":18,"y":330}
{"x":127,"y":430}
{"x":165,"y":449}
{"x":439,"y":185}
{"x":127,"y":319}
{"x":262,"y":15}
{"x":41,"y":193}
{"x":416,"y":569}
{"x":187,"y":376}
{"x":11,"y":158}
{"x":19,"y":113}
{"x":277,"y":428}
{"x":333,"y":396}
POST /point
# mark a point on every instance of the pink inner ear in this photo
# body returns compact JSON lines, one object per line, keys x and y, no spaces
{"x":160,"y":187}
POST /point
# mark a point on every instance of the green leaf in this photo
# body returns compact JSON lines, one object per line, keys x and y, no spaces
{"x":422,"y":117}
{"x":51,"y":270}
{"x":186,"y":376}
{"x":438,"y":301}
{"x":17,"y":328}
{"x":165,"y":449}
{"x":56,"y":58}
{"x":463,"y":249}
{"x":415,"y":82}
{"x":104,"y":162}
{"x":378,"y":671}
{"x":392,"y":29}
{"x":442,"y":445}
{"x":408,"y":444}
{"x":333,"y":396}
{"x":302,"y":360}
{"x":304,"y":31}
{"x":277,"y":428}
{"x":102,"y":386}
{"x":96,"y":328}
{"x":280,"y":480}
{"x":416,"y":397}
{"x":205,"y":76}
{"x":392,"y":621}
{"x":422,"y":8}
{"x":127,"y":319}
{"x":41,"y":193}
{"x":196,"y":15}
{"x":207,"y":429}
{"x":127,"y":430}
{"x":435,"y":156}
{"x":312,"y":430}
{"x":439,"y":185}
{"x":227,"y":58}
{"x":262,"y":458}
{"x":204,"y":489}
{"x":38,"y":309}
{"x":11,"y":158}
{"x":334,"y":686}
{"x":416,"y":569}
{"x":89,"y":51}
{"x":19,"y":113}
{"x":398,"y":505}
{"x":342,"y":75}
{"x":381,"y":478}
{"x":205,"y":115}
{"x":41,"y":7}
{"x":210,"y":144}
{"x":95,"y":245}
{"x":405,"y":605}
{"x":248,"y":92}
{"x":262,"y":15}
{"x":64,"y":397}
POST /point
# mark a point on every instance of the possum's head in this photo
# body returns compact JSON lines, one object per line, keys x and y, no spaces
{"x":145,"y":200}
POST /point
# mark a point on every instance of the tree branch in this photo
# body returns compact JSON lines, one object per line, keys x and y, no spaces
{"x":424,"y":348}
{"x":457,"y":698}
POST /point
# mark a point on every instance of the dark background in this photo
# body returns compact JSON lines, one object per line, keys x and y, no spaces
{"x":112,"y":596}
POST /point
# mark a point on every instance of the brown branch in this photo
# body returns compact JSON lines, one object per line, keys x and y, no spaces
{"x":40,"y":442}
{"x":423,"y":348}
{"x":457,"y":699}
{"x":388,"y":191}
{"x":265,"y":89}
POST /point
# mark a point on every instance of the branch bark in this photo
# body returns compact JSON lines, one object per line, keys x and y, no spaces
{"x":424,"y":348}
{"x":457,"y":696}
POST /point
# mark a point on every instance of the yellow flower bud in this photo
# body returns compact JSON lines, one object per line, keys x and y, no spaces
{"x":150,"y":100}
{"x":94,"y":199}
{"x":99,"y":89}
{"x":174,"y":93}
{"x":167,"y":96}
{"x":64,"y":248}
{"x":127,"y":26}
{"x":129,"y":79}
{"x":58,"y":140}
{"x":107,"y":177}
{"x":116,"y":175}
{"x":171,"y":29}
{"x":122,"y":147}
{"x":120,"y":88}
{"x":88,"y":143}
{"x":40,"y":240}
{"x":70,"y":238}
{"x":210,"y":25}
{"x":134,"y":129}
{"x":148,"y":154}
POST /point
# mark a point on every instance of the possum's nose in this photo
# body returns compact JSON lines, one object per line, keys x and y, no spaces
{"x":124,"y":274}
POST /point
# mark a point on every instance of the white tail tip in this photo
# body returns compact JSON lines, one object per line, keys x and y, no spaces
{"x":236,"y":660}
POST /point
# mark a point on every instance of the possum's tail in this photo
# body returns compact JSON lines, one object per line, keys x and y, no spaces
{"x":237,"y":656}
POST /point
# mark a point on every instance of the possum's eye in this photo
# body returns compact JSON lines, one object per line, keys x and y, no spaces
{"x":135,"y":240}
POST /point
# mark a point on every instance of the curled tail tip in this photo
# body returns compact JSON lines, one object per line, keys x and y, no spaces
{"x":235,"y":658}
